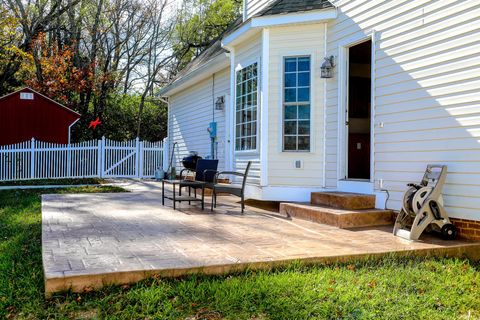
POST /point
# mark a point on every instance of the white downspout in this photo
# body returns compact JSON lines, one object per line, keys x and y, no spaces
{"x":324,"y":178}
{"x":70,"y":129}
{"x":231,"y":163}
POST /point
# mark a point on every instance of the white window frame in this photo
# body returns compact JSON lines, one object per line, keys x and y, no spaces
{"x":239,"y":67}
{"x":309,"y":55}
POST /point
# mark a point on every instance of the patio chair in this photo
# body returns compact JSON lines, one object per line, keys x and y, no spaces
{"x":204,"y":172}
{"x":233,"y":189}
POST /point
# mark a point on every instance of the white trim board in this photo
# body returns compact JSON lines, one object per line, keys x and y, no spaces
{"x":342,"y":66}
{"x":315,"y":16}
{"x":206,"y":70}
{"x":264,"y":105}
{"x":281,"y":193}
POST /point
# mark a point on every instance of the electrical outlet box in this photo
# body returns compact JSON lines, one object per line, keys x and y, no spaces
{"x":212,"y":129}
{"x":298,"y":164}
{"x":380,"y":183}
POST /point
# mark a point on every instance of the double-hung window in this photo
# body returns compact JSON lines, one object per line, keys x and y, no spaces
{"x":296,"y":104}
{"x":246,"y":108}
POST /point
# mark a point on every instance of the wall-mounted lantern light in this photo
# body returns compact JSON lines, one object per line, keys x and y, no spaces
{"x":220,"y":103}
{"x":327,"y":67}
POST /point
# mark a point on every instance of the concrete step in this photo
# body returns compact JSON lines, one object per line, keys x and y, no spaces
{"x":343,"y":200}
{"x":340,"y":218}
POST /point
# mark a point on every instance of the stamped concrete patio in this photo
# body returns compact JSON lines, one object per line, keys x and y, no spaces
{"x":91,"y":240}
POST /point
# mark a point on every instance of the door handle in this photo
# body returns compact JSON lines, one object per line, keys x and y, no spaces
{"x":347,"y":123}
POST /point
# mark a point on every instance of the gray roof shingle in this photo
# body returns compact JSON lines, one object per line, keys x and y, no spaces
{"x":291,"y":6}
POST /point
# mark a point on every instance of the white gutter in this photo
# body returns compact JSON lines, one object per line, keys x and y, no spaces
{"x":70,"y":129}
{"x":254,"y":23}
{"x":214,"y":65}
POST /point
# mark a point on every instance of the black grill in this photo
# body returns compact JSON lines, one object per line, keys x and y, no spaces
{"x":190,"y":162}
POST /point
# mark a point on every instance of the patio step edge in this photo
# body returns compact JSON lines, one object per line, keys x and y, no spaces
{"x":343,"y":200}
{"x":340,"y":218}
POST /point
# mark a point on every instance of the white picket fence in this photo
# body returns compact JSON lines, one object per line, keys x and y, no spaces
{"x":96,"y":158}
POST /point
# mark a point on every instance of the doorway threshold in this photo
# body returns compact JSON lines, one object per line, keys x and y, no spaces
{"x":356,"y":186}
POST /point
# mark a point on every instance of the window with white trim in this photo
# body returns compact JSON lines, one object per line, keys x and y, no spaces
{"x":296,"y":104}
{"x":246,"y":108}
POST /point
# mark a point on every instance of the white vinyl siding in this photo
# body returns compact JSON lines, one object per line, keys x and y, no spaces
{"x":191,"y":111}
{"x":252,"y":7}
{"x":427,"y":94}
{"x":307,"y":40}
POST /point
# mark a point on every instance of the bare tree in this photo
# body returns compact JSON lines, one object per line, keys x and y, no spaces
{"x":159,"y":51}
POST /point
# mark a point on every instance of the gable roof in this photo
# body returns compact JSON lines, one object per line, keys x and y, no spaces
{"x":215,"y":50}
{"x":208,"y":54}
{"x":292,"y":6}
{"x":25,"y":89}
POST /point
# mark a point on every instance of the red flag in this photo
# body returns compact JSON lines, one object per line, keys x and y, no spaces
{"x":94,"y":124}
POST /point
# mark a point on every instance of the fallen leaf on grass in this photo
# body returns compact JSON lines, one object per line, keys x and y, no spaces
{"x":87,"y":289}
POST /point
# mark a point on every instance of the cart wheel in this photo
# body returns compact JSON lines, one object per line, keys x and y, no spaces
{"x":449,"y":232}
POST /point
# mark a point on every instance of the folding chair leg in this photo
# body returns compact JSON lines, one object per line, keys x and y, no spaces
{"x":243,"y":203}
{"x":213,"y":199}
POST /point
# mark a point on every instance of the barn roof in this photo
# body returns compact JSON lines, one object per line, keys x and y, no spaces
{"x":43,"y":96}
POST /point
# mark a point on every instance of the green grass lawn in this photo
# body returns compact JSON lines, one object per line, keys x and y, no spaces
{"x":392,"y":288}
{"x":52,"y":182}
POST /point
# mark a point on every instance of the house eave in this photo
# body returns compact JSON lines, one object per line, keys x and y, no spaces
{"x":253,"y":24}
{"x":216,"y":64}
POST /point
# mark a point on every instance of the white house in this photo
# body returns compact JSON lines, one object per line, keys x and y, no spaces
{"x":405,"y":92}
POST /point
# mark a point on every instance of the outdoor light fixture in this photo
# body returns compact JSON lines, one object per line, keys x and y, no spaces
{"x":327,"y":67}
{"x":220,"y":103}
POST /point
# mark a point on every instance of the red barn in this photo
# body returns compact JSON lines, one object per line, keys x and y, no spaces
{"x":27,"y":114}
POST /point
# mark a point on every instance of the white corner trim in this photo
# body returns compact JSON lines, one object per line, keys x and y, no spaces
{"x":231,"y":113}
{"x":264,"y":107}
{"x":315,"y":16}
{"x":324,"y":156}
{"x":373,"y":91}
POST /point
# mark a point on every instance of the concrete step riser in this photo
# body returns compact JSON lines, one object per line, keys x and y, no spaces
{"x":339,"y":218}
{"x":341,"y":200}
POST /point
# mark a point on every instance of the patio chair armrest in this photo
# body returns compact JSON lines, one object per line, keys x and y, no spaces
{"x":233,"y":173}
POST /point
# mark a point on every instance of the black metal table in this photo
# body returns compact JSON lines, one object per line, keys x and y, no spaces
{"x":179,"y":198}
